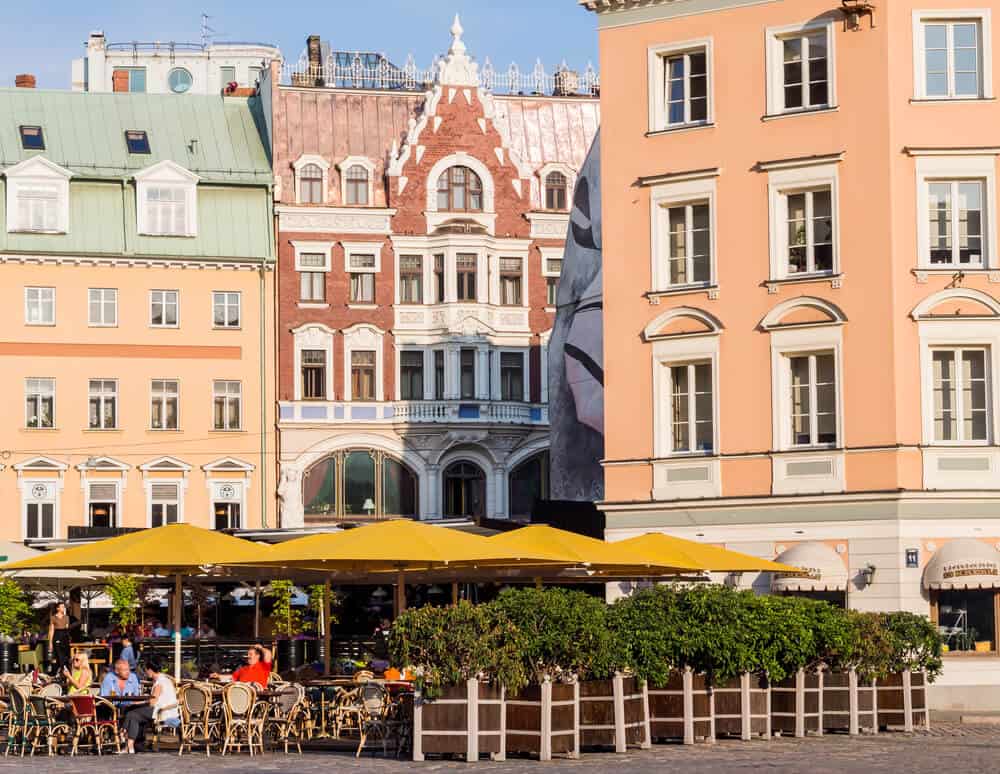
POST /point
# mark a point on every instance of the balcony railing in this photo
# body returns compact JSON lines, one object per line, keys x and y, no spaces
{"x":414,"y":412}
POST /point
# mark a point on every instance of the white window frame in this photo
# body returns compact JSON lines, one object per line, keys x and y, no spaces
{"x":359,"y":161}
{"x":362,"y":248}
{"x":932,"y":168}
{"x":225,"y":305}
{"x":101,"y":292}
{"x":313,"y":336}
{"x":364,"y":337}
{"x":40,"y":301}
{"x":547,"y":254}
{"x":959,"y":334}
{"x":52,"y":392}
{"x":662,"y":198}
{"x":668,"y":353}
{"x":495,"y":377}
{"x":37,"y":172}
{"x":225,"y":414}
{"x":312,"y":248}
{"x":798,"y":342}
{"x":167,"y":174}
{"x":54,"y":488}
{"x":956,"y":352}
{"x":785,"y":181}
{"x":982,"y":17}
{"x":163,"y":398}
{"x":103,"y":396}
{"x":774,"y":38}
{"x":163,"y":303}
{"x":118,"y":484}
{"x":425,"y":360}
{"x":657,"y":76}
{"x":320,"y":162}
{"x":180,"y":483}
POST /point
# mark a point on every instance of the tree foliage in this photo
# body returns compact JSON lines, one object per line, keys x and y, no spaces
{"x":286,"y":620}
{"x":124,"y":593}
{"x":15,"y":610}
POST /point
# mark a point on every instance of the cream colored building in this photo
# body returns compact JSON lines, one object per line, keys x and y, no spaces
{"x":136,"y":353}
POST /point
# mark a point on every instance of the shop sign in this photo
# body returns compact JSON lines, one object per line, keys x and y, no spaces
{"x":969,"y":568}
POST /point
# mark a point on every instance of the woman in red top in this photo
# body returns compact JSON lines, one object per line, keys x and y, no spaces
{"x":257,"y":669}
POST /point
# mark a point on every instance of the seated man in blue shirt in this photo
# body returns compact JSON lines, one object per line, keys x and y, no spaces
{"x":121,"y":682}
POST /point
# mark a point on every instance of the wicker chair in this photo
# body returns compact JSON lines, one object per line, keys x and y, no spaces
{"x":17,"y":723}
{"x":87,"y":724}
{"x":375,"y":705}
{"x":52,"y":690}
{"x":202,"y":724}
{"x":44,"y":727}
{"x":348,"y":711}
{"x":244,"y":718}
{"x":288,"y":719}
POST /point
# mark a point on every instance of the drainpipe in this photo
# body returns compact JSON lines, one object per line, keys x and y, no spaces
{"x":263,"y":396}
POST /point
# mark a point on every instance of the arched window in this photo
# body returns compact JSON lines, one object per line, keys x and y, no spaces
{"x":555,"y":191}
{"x":359,"y":484}
{"x":529,"y":482}
{"x":464,"y":490}
{"x":311,"y":184}
{"x":356,"y":185}
{"x":459,"y":189}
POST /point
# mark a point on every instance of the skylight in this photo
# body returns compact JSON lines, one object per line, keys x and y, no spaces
{"x":137,"y":141}
{"x":32,"y":138}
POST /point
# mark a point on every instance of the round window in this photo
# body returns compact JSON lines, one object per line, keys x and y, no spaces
{"x":179,"y":80}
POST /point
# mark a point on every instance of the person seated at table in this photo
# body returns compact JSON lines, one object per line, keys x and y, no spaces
{"x":121,"y":682}
{"x":161,"y":705}
{"x":128,"y":652}
{"x":206,"y":632}
{"x":159,"y":630}
{"x":78,"y":679}
{"x":257,"y":669}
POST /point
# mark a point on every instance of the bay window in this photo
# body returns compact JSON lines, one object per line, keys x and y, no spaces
{"x":510,"y":281}
{"x":411,"y":375}
{"x":411,"y":279}
{"x":465,"y":268}
{"x":511,"y":376}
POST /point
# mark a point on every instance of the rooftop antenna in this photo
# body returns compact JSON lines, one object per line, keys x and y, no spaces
{"x":208,"y":32}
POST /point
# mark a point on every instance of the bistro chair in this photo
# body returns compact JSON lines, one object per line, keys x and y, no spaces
{"x":87,"y":724}
{"x":44,"y":726}
{"x":34,"y":658}
{"x":242,"y":723}
{"x":201,"y":715}
{"x":288,"y":718}
{"x":173,"y":726}
{"x":52,"y":690}
{"x":17,"y":723}
{"x":375,"y":707}
{"x":348,"y":711}
{"x":400,"y":723}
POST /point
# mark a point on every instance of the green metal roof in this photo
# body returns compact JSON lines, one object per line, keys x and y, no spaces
{"x":217,"y":138}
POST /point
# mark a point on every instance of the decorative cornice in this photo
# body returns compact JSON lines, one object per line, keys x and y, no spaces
{"x":139,"y":263}
{"x":677,"y":177}
{"x":548,"y":225}
{"x":799,"y":161}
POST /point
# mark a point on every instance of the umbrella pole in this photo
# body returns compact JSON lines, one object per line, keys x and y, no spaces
{"x":256,"y":609}
{"x":178,"y":604}
{"x":326,"y":626}
{"x":454,"y":593}
{"x":401,"y":592}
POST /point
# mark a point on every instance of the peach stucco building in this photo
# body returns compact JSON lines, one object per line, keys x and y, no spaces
{"x":802,"y":274}
{"x":136,"y":356}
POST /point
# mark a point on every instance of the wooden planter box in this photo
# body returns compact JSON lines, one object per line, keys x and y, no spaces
{"x":797,"y":704}
{"x":902,"y":701}
{"x":543,"y":720}
{"x":682,"y":709}
{"x":742,"y":707}
{"x":847,"y":703}
{"x":465,"y":720}
{"x":613,"y":713}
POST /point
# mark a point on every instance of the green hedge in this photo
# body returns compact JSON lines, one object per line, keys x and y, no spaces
{"x":530,"y":634}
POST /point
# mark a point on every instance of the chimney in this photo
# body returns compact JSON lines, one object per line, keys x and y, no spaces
{"x":24,"y":81}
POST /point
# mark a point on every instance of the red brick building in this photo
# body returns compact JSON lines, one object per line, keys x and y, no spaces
{"x":421,"y":222}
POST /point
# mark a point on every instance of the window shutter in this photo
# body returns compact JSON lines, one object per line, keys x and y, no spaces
{"x":164,"y":492}
{"x":103,"y":492}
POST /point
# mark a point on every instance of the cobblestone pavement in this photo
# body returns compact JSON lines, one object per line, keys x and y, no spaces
{"x":946,"y":747}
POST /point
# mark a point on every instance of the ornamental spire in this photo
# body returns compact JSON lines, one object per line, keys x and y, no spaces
{"x":457,"y":68}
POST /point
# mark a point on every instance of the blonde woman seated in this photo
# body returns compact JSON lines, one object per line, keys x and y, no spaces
{"x":79,"y":678}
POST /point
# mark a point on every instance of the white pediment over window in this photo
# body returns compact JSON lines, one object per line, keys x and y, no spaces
{"x":165,"y":464}
{"x":103,"y":463}
{"x":167,"y":200}
{"x":41,"y":464}
{"x":38,"y":197}
{"x":228,"y":465}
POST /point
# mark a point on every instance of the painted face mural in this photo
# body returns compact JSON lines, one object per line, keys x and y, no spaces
{"x":576,"y":356}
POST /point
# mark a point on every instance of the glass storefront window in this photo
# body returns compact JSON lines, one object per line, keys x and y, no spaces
{"x":399,"y":489}
{"x":320,"y":487}
{"x":359,"y":483}
{"x":967,"y":617}
{"x":529,"y":482}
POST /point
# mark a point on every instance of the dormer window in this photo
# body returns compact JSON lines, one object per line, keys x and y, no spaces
{"x":136,"y":141}
{"x":459,"y":189}
{"x":32,"y":138}
{"x":555,"y":191}
{"x":311,"y":184}
{"x":167,"y":200}
{"x":356,"y":185}
{"x":38,"y":197}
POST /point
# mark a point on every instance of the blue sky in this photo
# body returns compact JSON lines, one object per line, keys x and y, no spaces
{"x":44,"y":36}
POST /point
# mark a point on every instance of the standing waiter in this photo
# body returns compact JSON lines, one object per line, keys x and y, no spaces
{"x":59,"y":626}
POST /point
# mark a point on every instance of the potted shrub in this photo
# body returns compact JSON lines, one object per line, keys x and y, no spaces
{"x":464,"y":657}
{"x":286,"y":624}
{"x":15,"y":611}
{"x":914,"y":661}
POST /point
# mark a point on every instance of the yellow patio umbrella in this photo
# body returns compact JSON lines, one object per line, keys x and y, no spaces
{"x":594,"y":554}
{"x":175,"y":549}
{"x":668,"y":548}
